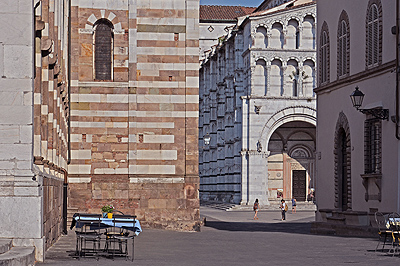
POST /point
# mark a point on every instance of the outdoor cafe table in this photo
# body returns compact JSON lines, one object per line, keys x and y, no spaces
{"x":126,"y":223}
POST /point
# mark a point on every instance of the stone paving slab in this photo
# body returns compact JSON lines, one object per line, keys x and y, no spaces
{"x":234,"y":238}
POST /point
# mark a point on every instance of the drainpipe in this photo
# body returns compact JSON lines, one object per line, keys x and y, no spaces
{"x":65,"y":186}
{"x":65,"y":197}
{"x":397,"y":70}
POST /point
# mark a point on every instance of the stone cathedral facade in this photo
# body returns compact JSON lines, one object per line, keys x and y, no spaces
{"x":99,"y":106}
{"x":258,"y":107}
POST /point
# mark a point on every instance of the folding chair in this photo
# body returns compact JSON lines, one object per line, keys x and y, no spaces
{"x":394,"y":223}
{"x":88,"y":234}
{"x":385,"y":233}
{"x":118,"y":236}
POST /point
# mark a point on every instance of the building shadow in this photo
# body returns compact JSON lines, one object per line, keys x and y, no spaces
{"x":283,"y":227}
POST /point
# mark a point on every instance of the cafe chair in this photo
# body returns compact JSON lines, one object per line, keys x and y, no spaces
{"x":394,"y":225}
{"x":118,"y":236}
{"x":384,"y":231}
{"x":88,"y":234}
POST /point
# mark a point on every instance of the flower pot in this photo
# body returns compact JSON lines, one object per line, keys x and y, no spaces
{"x":109,"y":215}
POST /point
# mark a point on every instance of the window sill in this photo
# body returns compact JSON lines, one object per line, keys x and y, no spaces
{"x":377,"y":178}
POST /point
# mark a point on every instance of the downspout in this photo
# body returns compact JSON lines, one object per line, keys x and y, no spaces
{"x":65,"y":186}
{"x":397,"y":70}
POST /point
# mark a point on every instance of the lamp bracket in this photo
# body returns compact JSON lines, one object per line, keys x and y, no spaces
{"x":379,"y":113}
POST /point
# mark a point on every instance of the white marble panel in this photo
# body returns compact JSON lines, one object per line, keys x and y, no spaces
{"x":157,"y":155}
{"x":152,"y":124}
{"x":81,"y":154}
{"x":79,"y":179}
{"x":159,"y":180}
{"x":79,"y":169}
{"x":18,"y":61}
{"x":155,"y":169}
{"x":158,"y":138}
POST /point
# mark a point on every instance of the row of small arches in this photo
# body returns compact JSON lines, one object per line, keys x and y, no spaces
{"x":289,"y":78}
{"x":293,"y":35}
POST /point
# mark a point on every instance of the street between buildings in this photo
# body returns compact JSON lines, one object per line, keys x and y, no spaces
{"x":234,"y":238}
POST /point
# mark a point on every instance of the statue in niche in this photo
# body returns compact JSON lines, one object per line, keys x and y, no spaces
{"x":259,"y":146}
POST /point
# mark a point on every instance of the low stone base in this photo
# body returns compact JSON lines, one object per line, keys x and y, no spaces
{"x":323,"y":228}
{"x":184,"y":226}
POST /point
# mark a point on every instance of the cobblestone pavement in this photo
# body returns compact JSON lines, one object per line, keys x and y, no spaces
{"x":234,"y":238}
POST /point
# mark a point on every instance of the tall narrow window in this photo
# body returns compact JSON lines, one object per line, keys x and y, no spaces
{"x":372,"y":153}
{"x":324,"y":51}
{"x":374,"y":31}
{"x":343,"y":65}
{"x":103,"y":50}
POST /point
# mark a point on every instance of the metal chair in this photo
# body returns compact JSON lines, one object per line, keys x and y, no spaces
{"x":383,"y":226}
{"x":118,"y":236}
{"x":394,"y":226}
{"x":87,"y":231}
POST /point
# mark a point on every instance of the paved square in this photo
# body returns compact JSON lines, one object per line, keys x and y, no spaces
{"x":234,"y":238}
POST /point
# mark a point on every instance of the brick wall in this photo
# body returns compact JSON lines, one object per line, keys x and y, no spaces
{"x":134,"y":138}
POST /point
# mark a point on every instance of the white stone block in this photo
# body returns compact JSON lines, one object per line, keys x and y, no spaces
{"x":79,"y":169}
{"x":81,"y":154}
{"x":19,"y":32}
{"x":152,"y":125}
{"x":158,"y":138}
{"x":79,"y":179}
{"x":76,"y":137}
{"x":157,"y":155}
{"x":15,"y":115}
{"x":12,"y":226}
{"x":155,"y":169}
{"x":18,"y":61}
{"x":26,"y":134}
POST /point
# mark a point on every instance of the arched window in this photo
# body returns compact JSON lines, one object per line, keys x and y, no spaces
{"x":324,"y":51}
{"x":374,"y":34}
{"x":343,"y":50}
{"x":103,"y":50}
{"x":261,"y":40}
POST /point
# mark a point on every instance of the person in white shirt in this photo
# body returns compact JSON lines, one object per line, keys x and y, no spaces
{"x":283,"y":208}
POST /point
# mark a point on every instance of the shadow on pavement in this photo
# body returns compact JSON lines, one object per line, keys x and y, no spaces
{"x":284,"y":227}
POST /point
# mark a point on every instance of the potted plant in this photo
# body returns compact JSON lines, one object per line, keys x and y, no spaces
{"x":107,"y":211}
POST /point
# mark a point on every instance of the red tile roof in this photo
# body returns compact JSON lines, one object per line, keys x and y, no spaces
{"x":223,"y":12}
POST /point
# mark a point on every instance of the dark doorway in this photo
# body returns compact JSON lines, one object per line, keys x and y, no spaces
{"x":299,"y":185}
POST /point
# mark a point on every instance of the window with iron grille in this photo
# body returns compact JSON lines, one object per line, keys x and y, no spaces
{"x":374,"y":34}
{"x":103,"y":50}
{"x":372,"y":146}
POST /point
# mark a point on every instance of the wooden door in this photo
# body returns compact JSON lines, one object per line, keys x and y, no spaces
{"x":299,"y":185}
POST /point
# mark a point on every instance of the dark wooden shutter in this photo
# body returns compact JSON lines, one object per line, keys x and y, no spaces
{"x":103,"y":52}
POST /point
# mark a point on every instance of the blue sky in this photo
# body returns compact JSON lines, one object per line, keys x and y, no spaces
{"x":231,"y":2}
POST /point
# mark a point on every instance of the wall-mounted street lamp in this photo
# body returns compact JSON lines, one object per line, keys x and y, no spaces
{"x":357,"y":98}
{"x":207,"y":139}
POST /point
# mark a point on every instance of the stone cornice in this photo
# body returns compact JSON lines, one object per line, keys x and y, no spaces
{"x":367,"y":74}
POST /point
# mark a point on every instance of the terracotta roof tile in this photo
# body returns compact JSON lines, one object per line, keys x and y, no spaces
{"x":223,"y":12}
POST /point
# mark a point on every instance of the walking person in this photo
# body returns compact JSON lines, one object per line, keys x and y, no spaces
{"x":294,"y":205}
{"x":284,"y":209}
{"x":256,"y":206}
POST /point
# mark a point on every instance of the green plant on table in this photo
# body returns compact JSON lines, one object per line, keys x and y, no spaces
{"x":107,"y":208}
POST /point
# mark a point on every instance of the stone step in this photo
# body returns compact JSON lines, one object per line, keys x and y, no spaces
{"x":5,"y":245}
{"x":18,"y":256}
{"x":70,"y":213}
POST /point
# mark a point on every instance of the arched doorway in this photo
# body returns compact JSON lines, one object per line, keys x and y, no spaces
{"x":291,"y":162}
{"x":342,"y":164}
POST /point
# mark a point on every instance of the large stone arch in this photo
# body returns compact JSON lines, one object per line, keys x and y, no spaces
{"x":289,"y":114}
